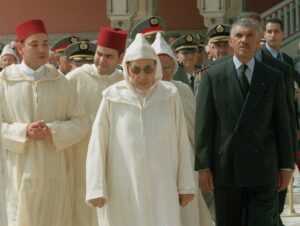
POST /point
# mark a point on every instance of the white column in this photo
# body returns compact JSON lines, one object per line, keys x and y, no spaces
{"x":219,"y":11}
{"x":121,"y":12}
{"x":297,"y":14}
{"x":124,"y":13}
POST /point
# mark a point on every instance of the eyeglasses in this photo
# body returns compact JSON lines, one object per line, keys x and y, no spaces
{"x":147,"y":69}
{"x":167,"y":68}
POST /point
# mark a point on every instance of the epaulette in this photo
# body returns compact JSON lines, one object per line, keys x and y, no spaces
{"x":204,"y":68}
{"x":200,"y":71}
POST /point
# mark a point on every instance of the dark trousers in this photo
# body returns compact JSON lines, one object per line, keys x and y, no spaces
{"x":251,"y":206}
{"x":281,"y":202}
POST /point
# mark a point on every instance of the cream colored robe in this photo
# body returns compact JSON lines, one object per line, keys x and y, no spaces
{"x":196,"y":213}
{"x":39,"y":185}
{"x":3,"y":181}
{"x":189,"y":107}
{"x":89,"y":86}
{"x":139,"y":157}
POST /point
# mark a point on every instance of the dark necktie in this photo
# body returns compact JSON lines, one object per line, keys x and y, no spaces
{"x":192,"y":78}
{"x":278,"y":57}
{"x":243,"y":79}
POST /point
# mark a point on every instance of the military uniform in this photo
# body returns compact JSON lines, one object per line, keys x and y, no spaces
{"x":218,"y":37}
{"x":218,"y":33}
{"x":186,"y":44}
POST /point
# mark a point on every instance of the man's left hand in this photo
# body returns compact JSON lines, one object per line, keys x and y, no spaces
{"x":185,"y":199}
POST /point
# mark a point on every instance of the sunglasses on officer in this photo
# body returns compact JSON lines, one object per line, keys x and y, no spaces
{"x":136,"y":70}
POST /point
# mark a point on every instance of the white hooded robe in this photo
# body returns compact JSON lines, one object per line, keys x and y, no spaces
{"x":196,"y":213}
{"x":38,"y":171}
{"x":89,"y":85}
{"x":139,"y":153}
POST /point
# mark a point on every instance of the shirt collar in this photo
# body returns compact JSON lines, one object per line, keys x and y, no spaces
{"x":29,"y":71}
{"x":273,"y":52}
{"x":238,"y":63}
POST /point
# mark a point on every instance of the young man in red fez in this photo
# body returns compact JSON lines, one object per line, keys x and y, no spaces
{"x":41,"y":122}
{"x":90,"y":80}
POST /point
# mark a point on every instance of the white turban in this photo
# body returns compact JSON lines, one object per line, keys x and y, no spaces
{"x":8,"y":50}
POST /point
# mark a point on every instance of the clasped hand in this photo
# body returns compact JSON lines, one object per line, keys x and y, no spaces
{"x":38,"y":130}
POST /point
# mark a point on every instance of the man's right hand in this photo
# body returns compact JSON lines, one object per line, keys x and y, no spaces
{"x":98,"y":202}
{"x":206,"y":180}
{"x":37,"y":130}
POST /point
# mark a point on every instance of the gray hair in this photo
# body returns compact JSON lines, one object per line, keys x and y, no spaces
{"x":247,"y":23}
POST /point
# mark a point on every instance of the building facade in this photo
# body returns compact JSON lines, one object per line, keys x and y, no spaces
{"x":81,"y":18}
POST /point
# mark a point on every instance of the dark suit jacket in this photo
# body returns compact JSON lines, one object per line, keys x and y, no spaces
{"x":243,"y":142}
{"x":288,"y":60}
{"x":264,"y":56}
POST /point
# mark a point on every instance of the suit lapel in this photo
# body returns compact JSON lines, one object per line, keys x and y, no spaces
{"x":287,"y":60}
{"x":266,"y":52}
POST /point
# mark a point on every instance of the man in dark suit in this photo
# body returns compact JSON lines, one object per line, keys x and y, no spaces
{"x":273,"y":34}
{"x":270,"y":54}
{"x":244,"y":150}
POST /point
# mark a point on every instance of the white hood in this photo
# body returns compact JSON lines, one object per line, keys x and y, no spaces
{"x":8,"y":50}
{"x":160,"y":46}
{"x":141,"y":49}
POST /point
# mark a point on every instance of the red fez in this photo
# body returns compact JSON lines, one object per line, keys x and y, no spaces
{"x":30,"y":27}
{"x":112,"y":38}
{"x":152,"y":29}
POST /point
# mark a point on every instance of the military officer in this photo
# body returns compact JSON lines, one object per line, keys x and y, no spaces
{"x":64,"y":65}
{"x":218,"y":41}
{"x":80,"y":53}
{"x":186,"y":49}
{"x":201,"y":40}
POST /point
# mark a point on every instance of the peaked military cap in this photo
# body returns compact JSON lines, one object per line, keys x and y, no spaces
{"x":60,"y":46}
{"x":185,"y":42}
{"x":81,"y":51}
{"x":201,"y":40}
{"x":219,"y":33}
{"x":147,"y":26}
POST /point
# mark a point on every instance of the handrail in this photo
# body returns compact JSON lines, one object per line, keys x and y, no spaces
{"x":289,"y":12}
{"x":276,"y":8}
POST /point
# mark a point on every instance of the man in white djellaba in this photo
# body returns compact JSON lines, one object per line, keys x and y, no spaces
{"x":139,"y":168}
{"x":41,"y":122}
{"x":196,"y":213}
{"x":90,"y":80}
